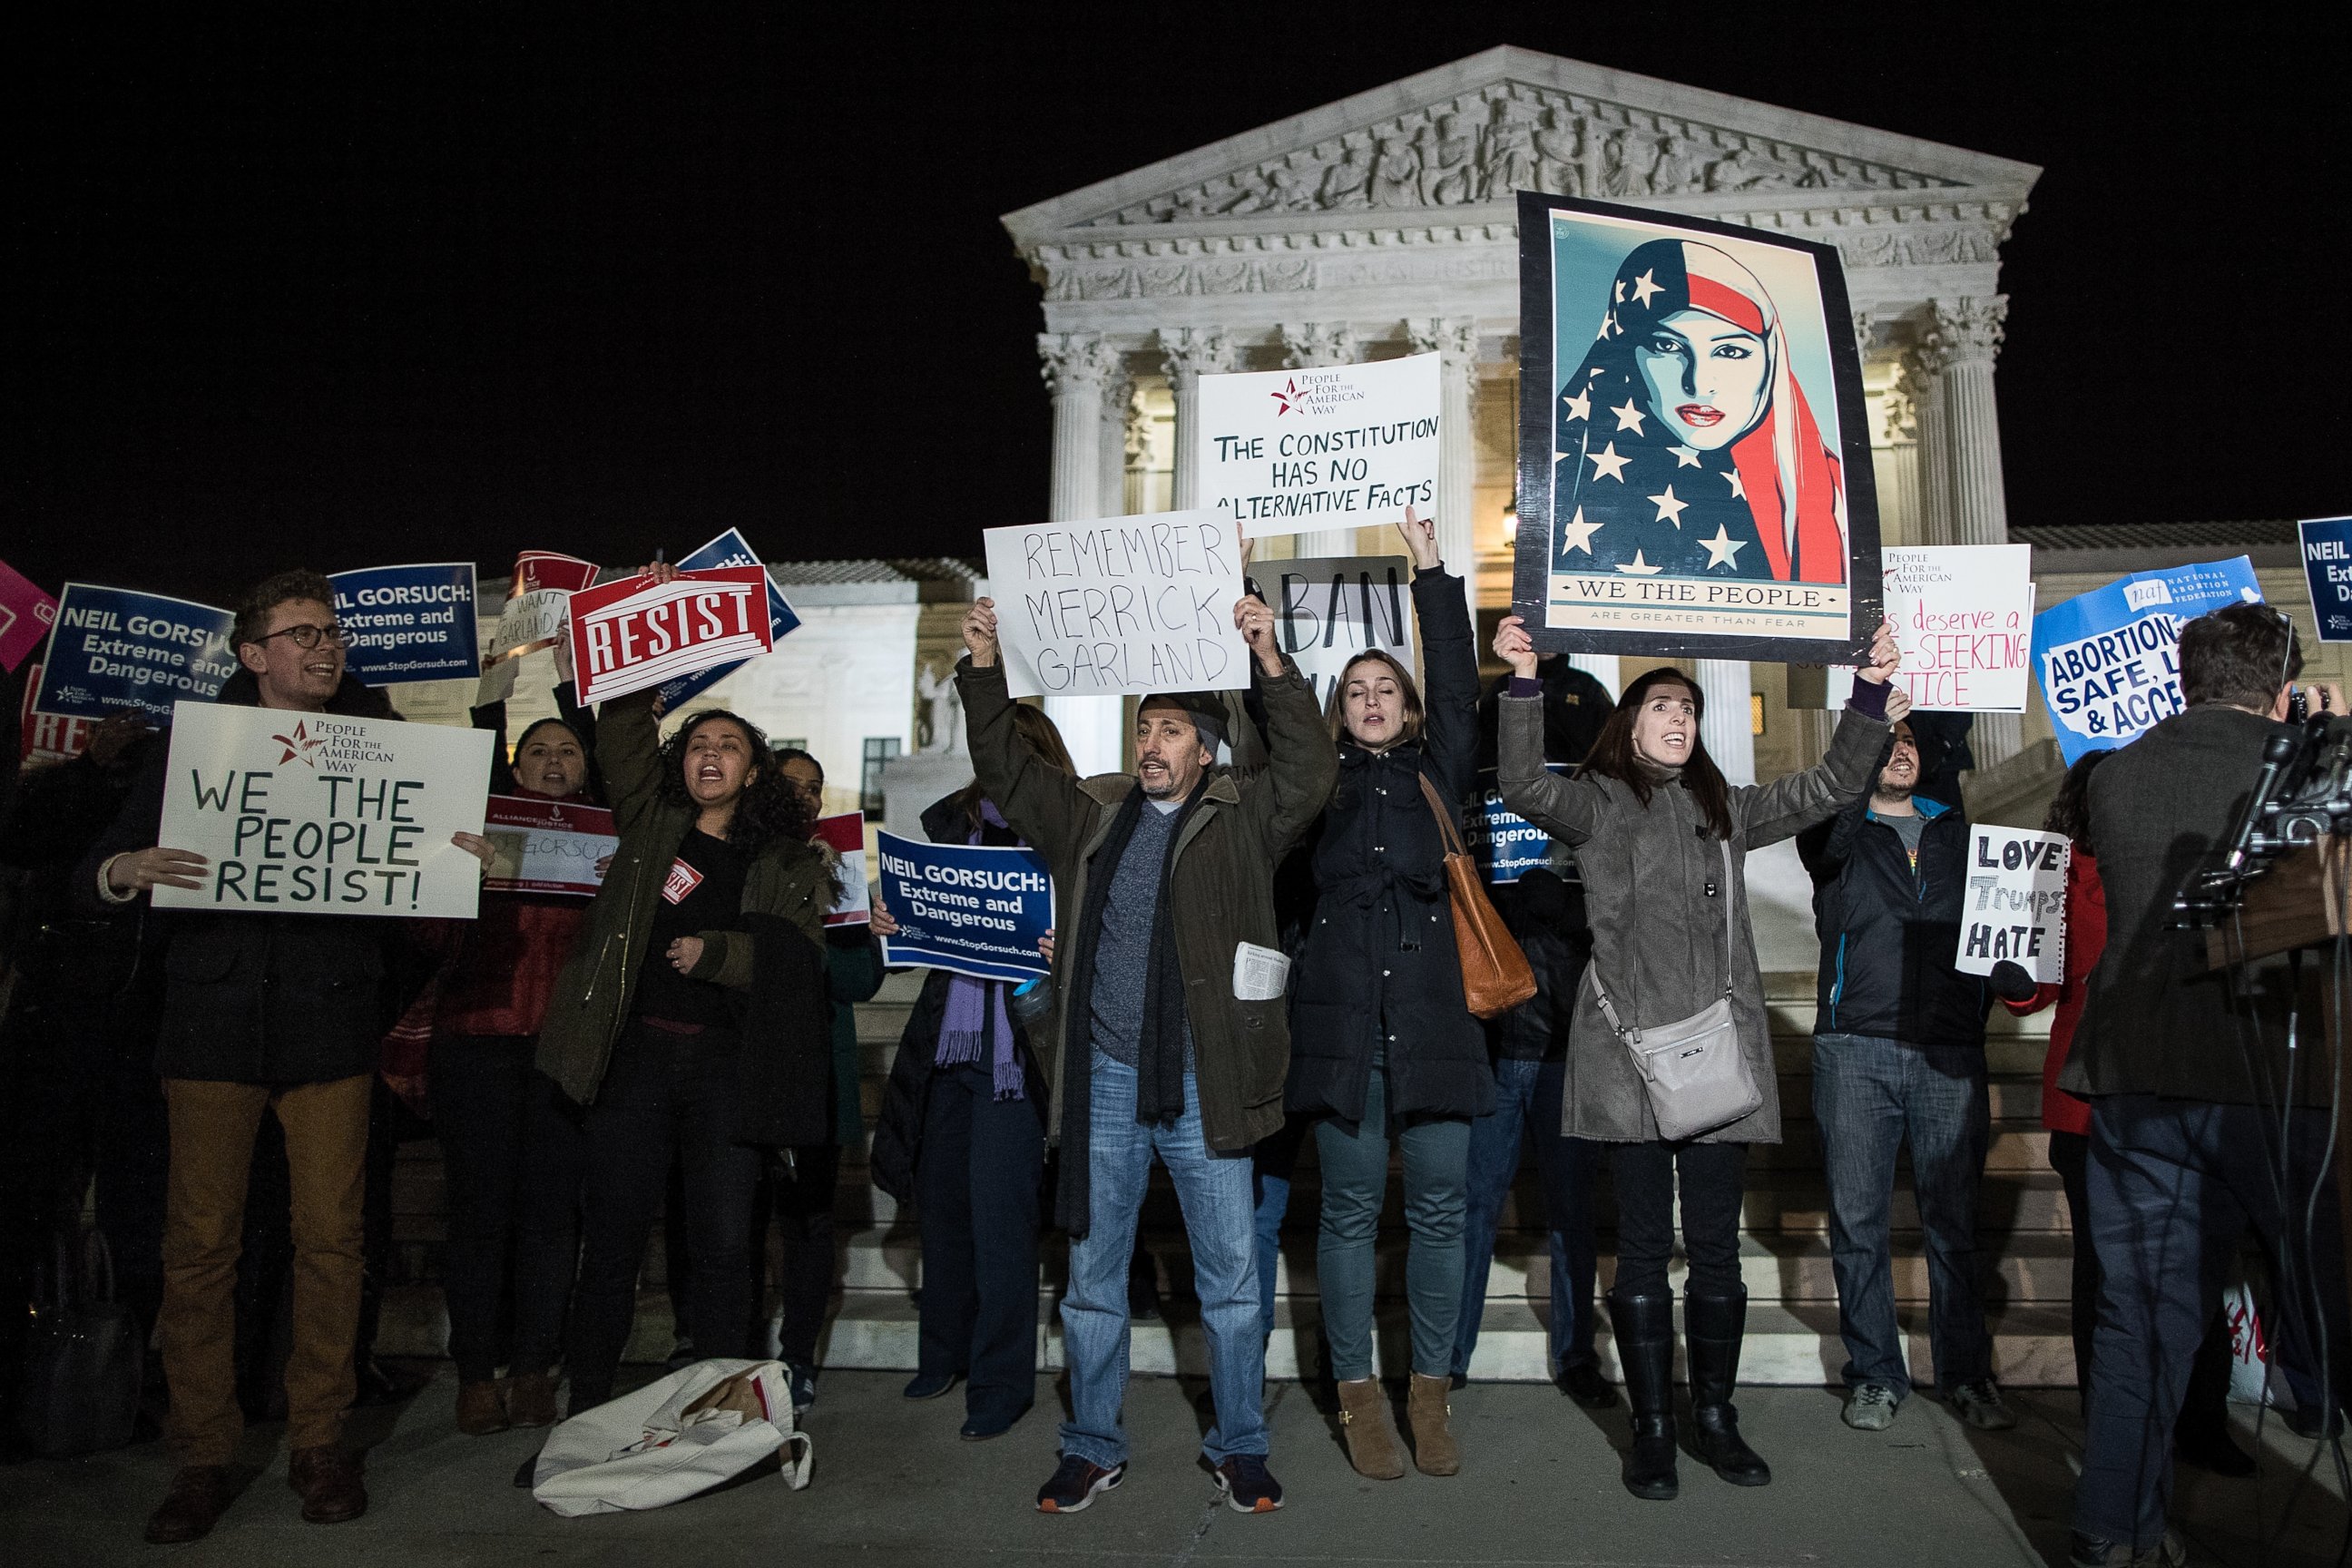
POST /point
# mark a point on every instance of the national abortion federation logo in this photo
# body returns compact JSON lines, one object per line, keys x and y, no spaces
{"x":1312,"y":393}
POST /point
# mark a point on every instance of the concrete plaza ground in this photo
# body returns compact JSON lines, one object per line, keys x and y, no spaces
{"x":893,"y":1487}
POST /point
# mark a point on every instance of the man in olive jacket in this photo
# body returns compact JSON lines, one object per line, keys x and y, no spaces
{"x":1162,"y":876}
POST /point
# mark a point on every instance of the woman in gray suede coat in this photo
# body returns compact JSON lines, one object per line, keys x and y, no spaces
{"x":1649,"y":817}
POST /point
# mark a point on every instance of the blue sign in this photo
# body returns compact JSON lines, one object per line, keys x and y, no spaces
{"x":113,"y":648}
{"x":966,"y":908}
{"x":727,"y":550}
{"x":2109,"y":661}
{"x":410,"y":623}
{"x":1505,"y":845}
{"x":2327,"y":570}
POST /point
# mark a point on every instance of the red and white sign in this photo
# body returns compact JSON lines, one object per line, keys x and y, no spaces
{"x":533,"y":616}
{"x":637,"y":633}
{"x":682,"y":880}
{"x":545,"y":845}
{"x":48,"y":737}
{"x":845,"y":836}
{"x":538,"y":570}
{"x":25,"y":617}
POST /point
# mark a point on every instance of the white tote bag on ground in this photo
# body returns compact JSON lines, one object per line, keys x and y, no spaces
{"x":675,"y":1438}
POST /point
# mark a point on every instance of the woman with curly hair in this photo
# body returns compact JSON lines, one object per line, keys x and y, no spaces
{"x":691,"y":1018}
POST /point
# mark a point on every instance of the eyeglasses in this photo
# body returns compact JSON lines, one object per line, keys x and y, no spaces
{"x":306,"y":637}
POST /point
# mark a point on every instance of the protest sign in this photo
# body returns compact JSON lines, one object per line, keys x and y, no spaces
{"x":1326,"y":610}
{"x":1119,"y":605}
{"x":966,"y":908}
{"x":1963,"y":617}
{"x":48,"y":737}
{"x":25,"y":617}
{"x":1505,"y":845}
{"x":636,"y":633}
{"x":319,"y":813}
{"x":2015,"y":906}
{"x":2108,"y":660}
{"x":544,"y":845}
{"x":115,"y":649}
{"x":845,"y":836}
{"x":727,"y":550}
{"x":1337,"y":445}
{"x":409,"y":623}
{"x":538,"y":597}
{"x":2327,"y":572}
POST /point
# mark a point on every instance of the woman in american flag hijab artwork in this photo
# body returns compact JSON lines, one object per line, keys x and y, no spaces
{"x":1682,"y":445}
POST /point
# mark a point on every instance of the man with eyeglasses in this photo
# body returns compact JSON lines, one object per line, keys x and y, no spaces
{"x":263,"y":1012}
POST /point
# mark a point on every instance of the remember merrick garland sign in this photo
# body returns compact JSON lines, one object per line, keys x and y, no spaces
{"x":318,"y":814}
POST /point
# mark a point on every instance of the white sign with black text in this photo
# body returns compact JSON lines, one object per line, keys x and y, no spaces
{"x":2014,"y":906}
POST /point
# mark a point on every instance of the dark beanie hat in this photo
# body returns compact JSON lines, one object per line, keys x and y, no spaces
{"x":1205,"y":709}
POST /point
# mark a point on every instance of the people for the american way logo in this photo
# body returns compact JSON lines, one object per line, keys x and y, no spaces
{"x":299,"y":745}
{"x":1287,"y":400}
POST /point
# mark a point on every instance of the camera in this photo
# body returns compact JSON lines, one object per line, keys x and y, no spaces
{"x":2305,"y":794}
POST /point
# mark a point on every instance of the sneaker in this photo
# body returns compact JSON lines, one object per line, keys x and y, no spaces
{"x":1247,"y":1484}
{"x":803,"y":1380}
{"x":1979,"y":1405}
{"x":1871,"y":1408}
{"x":1075,"y":1484}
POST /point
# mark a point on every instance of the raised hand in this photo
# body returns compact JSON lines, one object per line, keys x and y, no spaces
{"x":1420,"y":536}
{"x":1886,"y":655}
{"x":1257,"y":622}
{"x":1514,"y":647}
{"x":979,"y":633}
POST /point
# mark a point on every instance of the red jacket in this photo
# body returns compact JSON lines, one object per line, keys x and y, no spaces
{"x":2086,"y":938}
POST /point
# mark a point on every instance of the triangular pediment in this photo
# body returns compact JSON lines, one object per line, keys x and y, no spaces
{"x":1468,"y":135}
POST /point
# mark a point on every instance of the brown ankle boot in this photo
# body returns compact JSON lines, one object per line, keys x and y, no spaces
{"x":327,"y":1476}
{"x":1372,"y":1441}
{"x":530,"y":1399}
{"x":1435,"y":1452}
{"x":199,"y":1495}
{"x":481,"y":1409}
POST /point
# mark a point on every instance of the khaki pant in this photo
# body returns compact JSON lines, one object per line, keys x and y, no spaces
{"x":213,"y":1128}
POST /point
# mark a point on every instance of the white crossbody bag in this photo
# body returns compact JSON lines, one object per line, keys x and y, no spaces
{"x":1697,"y":1077}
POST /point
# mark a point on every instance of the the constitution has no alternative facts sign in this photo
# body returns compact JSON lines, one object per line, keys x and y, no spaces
{"x":318,"y":814}
{"x":1334,"y":447}
{"x":967,"y":909}
{"x":1119,"y":605}
{"x":2015,"y":906}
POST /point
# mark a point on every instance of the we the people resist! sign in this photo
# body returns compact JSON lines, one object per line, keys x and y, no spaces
{"x":318,"y":814}
{"x":2015,"y":906}
{"x":1120,"y":605}
{"x":1338,"y":445}
{"x":2109,"y":661}
{"x":967,"y":909}
{"x":410,"y":623}
{"x":1327,"y":610}
{"x":115,"y":649}
{"x":636,"y":633}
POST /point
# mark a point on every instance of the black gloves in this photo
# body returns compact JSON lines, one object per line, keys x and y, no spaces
{"x":2010,"y":983}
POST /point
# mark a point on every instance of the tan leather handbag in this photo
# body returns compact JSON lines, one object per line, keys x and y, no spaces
{"x":1495,"y":974}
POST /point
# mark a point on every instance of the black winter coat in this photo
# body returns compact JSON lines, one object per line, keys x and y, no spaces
{"x":1378,"y":970}
{"x":261,"y":998}
{"x":1889,"y":938}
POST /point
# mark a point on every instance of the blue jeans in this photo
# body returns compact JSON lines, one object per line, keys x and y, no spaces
{"x":1213,"y":1190}
{"x":2173,"y":1187}
{"x":1530,"y":1094}
{"x":1355,"y":1187}
{"x":1272,"y":1162}
{"x":1869,"y":1095}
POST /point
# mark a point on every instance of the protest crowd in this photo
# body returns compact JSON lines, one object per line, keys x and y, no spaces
{"x":1260,"y":945}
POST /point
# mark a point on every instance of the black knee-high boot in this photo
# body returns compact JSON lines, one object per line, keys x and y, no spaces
{"x":1713,"y":1327}
{"x":1644,"y":1327}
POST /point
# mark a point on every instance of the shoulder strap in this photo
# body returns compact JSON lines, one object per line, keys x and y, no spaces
{"x":1726,"y":845}
{"x":1447,"y":828}
{"x":1632,"y":1037}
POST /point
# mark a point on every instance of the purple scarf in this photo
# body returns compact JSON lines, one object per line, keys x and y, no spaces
{"x":976,"y":1009}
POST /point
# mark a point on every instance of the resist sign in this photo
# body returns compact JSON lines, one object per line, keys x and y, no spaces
{"x":636,"y":633}
{"x":2015,"y":906}
{"x":966,"y":908}
{"x":318,"y":814}
{"x":1124,"y":605}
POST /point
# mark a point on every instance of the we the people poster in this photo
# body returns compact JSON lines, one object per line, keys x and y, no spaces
{"x":1694,"y":458}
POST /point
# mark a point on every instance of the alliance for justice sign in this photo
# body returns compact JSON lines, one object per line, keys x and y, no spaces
{"x":319,"y":813}
{"x":1119,"y":605}
{"x":636,"y":633}
{"x":1333,"y":447}
{"x":2015,"y":905}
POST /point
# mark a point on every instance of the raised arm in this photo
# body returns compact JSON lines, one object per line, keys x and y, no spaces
{"x":1302,"y":765}
{"x":1769,"y":813}
{"x":628,"y":753}
{"x":1040,"y":801}
{"x":1450,"y":662}
{"x":1568,"y":809}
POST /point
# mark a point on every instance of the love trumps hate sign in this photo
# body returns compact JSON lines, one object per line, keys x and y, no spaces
{"x":318,"y":814}
{"x":2015,"y":906}
{"x":1120,"y":605}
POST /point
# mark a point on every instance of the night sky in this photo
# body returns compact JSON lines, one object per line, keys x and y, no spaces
{"x":343,"y":286}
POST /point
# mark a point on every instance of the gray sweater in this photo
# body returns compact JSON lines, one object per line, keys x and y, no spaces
{"x":1657,"y":936}
{"x":1123,"y":948}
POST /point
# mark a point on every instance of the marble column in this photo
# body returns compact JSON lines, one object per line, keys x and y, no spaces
{"x":1189,"y":353}
{"x":1455,"y":340}
{"x":1921,"y":385}
{"x":1959,"y":349}
{"x":1728,"y":726}
{"x":1076,"y":365}
{"x":1309,"y":345}
{"x":1118,"y":400}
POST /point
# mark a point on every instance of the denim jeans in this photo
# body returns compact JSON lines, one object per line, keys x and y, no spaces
{"x":2173,"y":1187}
{"x":1708,"y":1181}
{"x":1272,"y":1165}
{"x":1213,"y":1190}
{"x":1528,"y":1094}
{"x":977,"y":1181}
{"x":1354,"y":1188}
{"x":1869,"y":1095}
